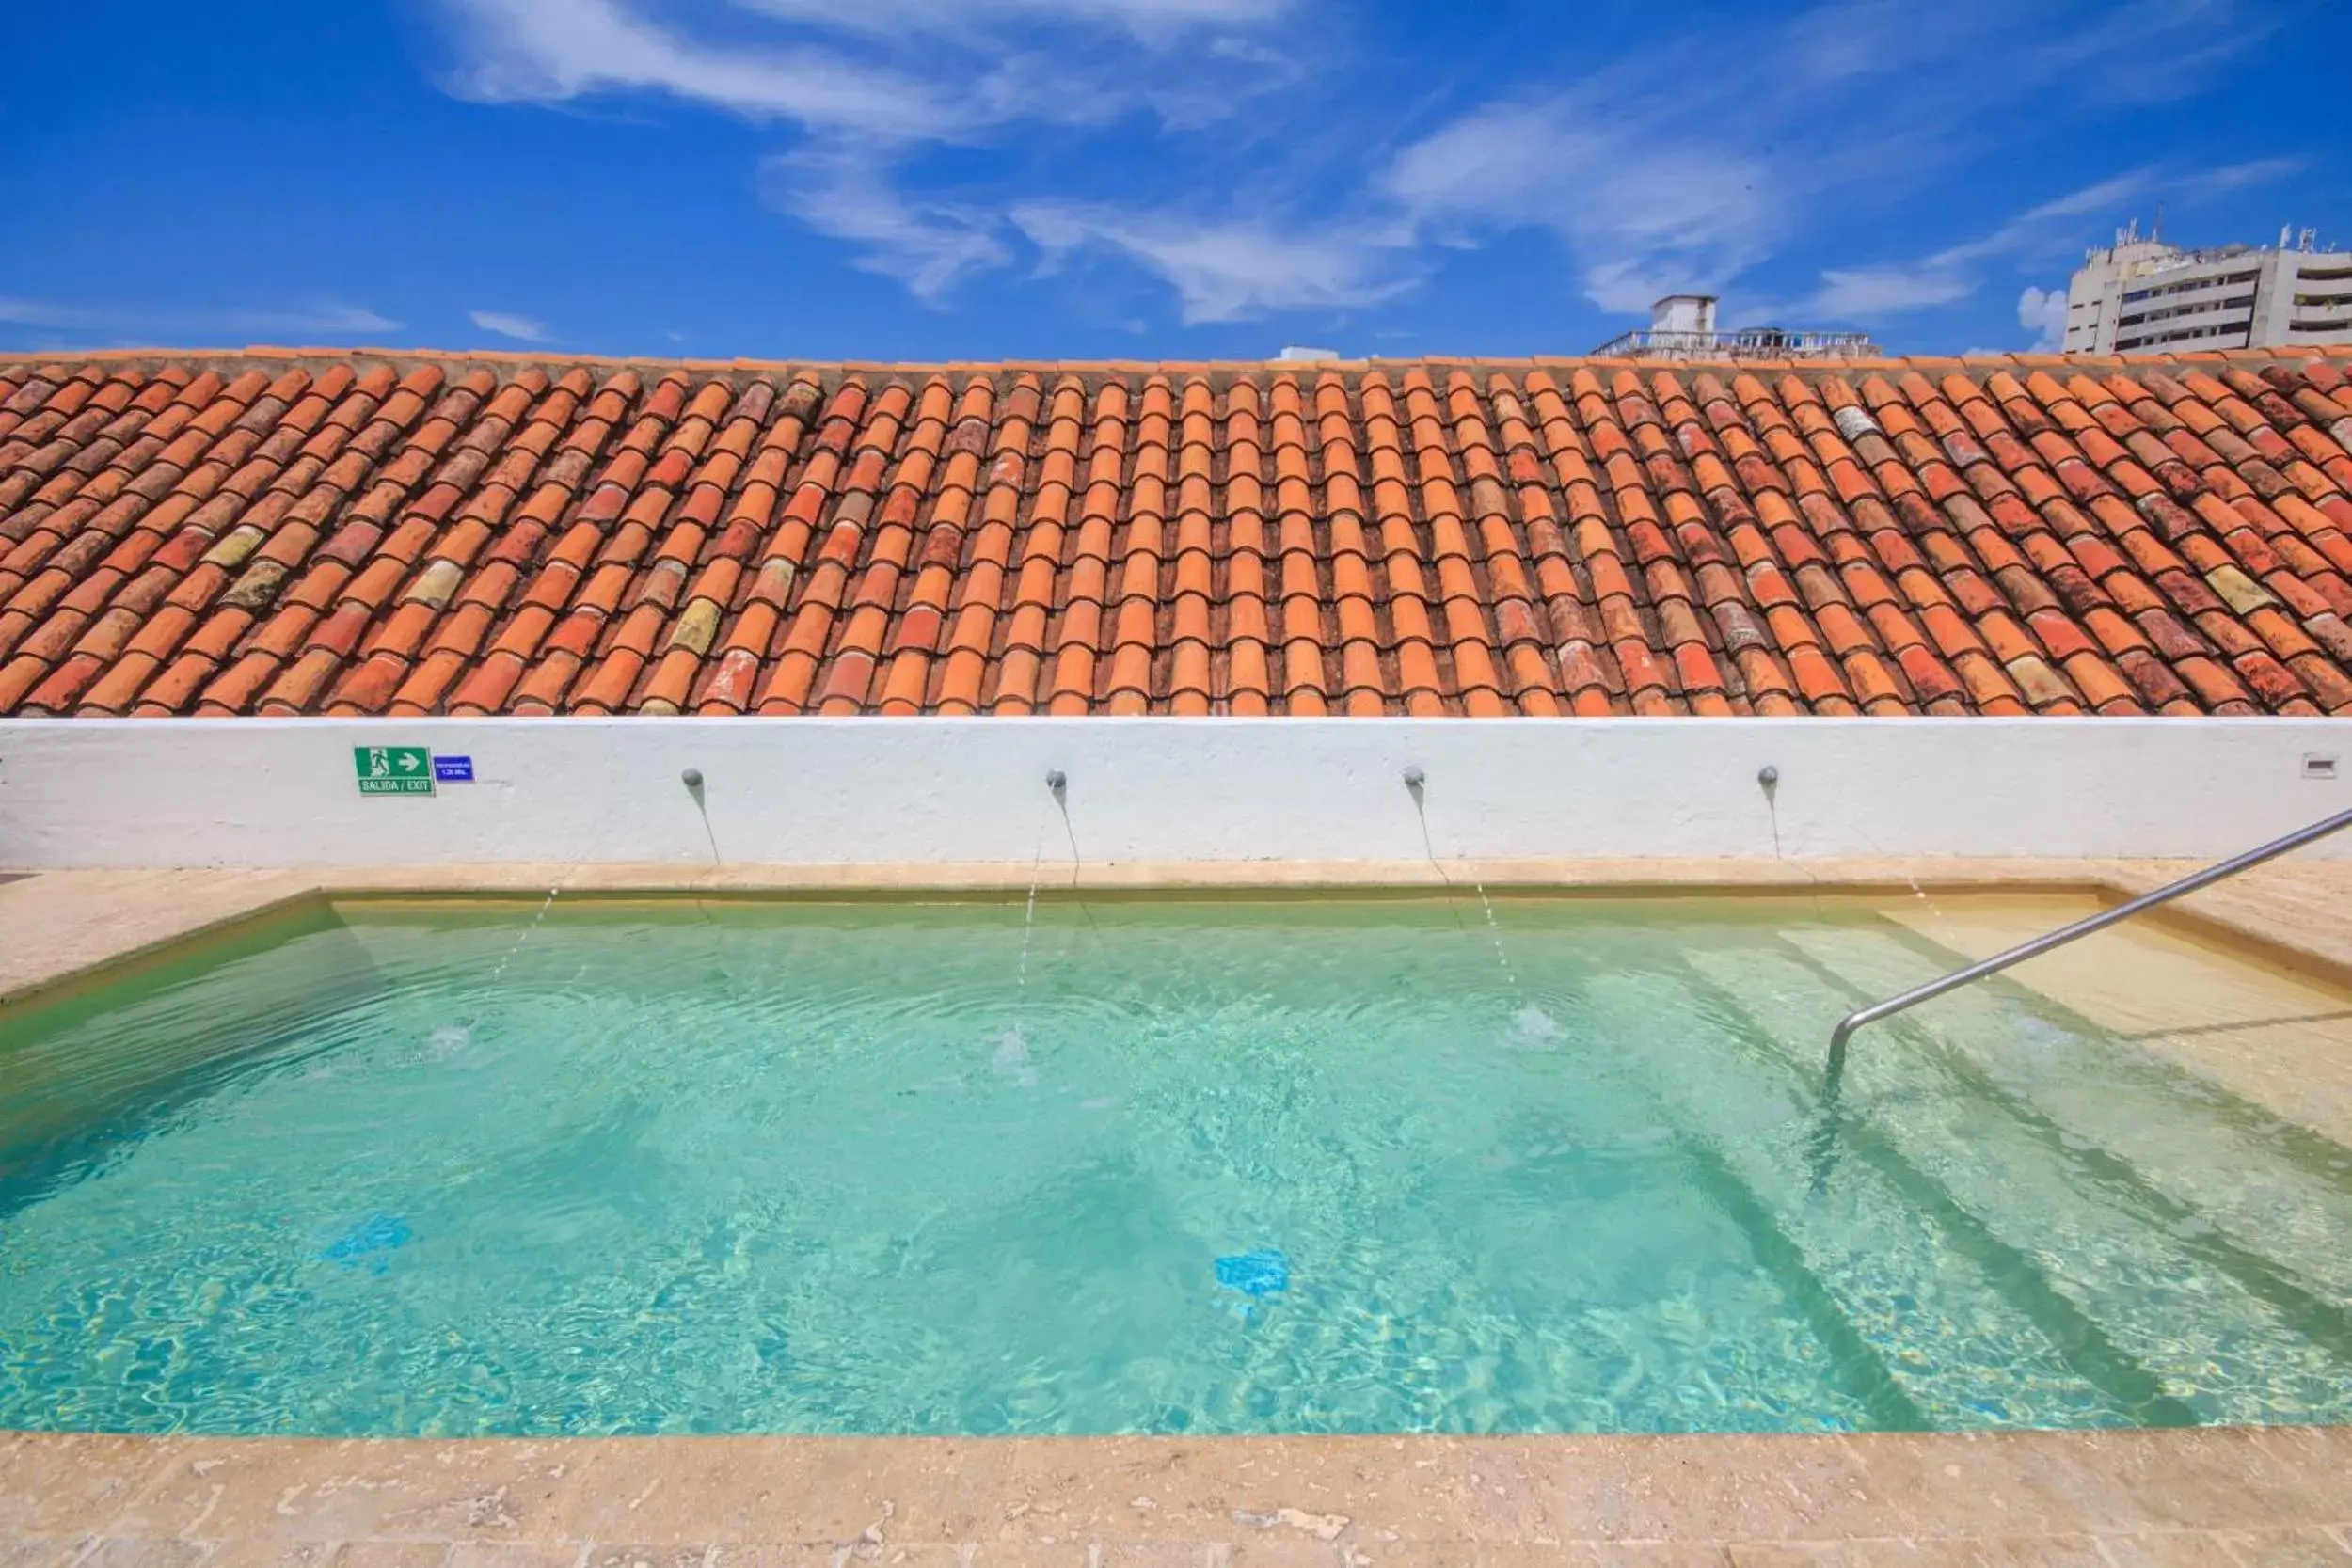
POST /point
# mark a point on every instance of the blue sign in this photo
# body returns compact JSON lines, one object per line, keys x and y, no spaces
{"x":454,"y":769}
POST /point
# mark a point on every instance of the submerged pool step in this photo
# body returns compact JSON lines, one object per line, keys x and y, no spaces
{"x":2163,"y":1288}
{"x":1869,"y":1249}
{"x":1842,"y":1146}
{"x":2189,"y":1153}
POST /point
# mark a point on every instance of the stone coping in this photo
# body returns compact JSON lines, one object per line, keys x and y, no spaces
{"x":64,"y":926}
{"x":2217,"y":1495}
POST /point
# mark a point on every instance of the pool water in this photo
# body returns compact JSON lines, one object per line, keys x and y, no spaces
{"x":1275,"y":1165}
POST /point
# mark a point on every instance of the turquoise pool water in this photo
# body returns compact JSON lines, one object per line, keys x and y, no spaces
{"x":1216,"y":1167}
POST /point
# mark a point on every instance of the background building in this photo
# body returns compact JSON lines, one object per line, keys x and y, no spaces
{"x":2142,"y":294}
{"x":1682,"y":327}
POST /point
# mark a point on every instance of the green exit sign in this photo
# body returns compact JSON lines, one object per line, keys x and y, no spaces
{"x":393,"y":769}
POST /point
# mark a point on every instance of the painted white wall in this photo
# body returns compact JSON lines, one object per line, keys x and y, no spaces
{"x":259,"y":792}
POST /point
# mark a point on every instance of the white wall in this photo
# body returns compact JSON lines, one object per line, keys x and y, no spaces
{"x":87,"y":792}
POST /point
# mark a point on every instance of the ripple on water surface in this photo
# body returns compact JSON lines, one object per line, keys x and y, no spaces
{"x":1217,"y":1167}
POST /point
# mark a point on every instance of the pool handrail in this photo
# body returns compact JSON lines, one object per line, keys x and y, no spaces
{"x":2065,"y":934}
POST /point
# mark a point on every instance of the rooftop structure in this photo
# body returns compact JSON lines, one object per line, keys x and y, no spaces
{"x":289,"y":534}
{"x":1682,"y":327}
{"x":2144,"y":294}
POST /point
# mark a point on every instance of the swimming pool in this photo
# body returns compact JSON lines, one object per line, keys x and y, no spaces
{"x":1164,"y":1165}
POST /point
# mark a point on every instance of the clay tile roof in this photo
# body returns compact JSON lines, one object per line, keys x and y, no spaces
{"x":301,"y":532}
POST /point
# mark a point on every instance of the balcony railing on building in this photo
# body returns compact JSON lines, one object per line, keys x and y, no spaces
{"x":1756,"y":343}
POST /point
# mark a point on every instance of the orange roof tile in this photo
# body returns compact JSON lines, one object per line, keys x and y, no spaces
{"x":288,"y":534}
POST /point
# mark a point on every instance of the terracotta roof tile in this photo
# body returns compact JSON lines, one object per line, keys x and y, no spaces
{"x":474,"y":536}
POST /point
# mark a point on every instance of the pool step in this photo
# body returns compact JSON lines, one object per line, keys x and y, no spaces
{"x":1872,"y":1250}
{"x":2124,"y":1255}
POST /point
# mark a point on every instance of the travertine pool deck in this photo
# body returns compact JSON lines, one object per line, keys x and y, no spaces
{"x":2251,"y":1497}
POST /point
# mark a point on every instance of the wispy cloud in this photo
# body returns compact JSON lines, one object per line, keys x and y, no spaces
{"x":2046,"y":232}
{"x":848,"y":194}
{"x":2238,"y":177}
{"x":1647,"y":209}
{"x":1224,"y":271}
{"x":1689,"y":165}
{"x":1150,"y":20}
{"x":1875,"y":293}
{"x":1220,"y":147}
{"x":523,"y":329}
{"x":902,"y":72}
{"x":17,"y":312}
{"x":868,"y":87}
{"x":1955,"y":272}
{"x":547,"y":51}
{"x":326,"y":319}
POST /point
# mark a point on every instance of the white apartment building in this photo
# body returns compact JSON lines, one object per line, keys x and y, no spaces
{"x":2142,"y":294}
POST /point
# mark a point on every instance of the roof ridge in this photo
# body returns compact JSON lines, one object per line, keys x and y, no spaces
{"x":826,"y":370}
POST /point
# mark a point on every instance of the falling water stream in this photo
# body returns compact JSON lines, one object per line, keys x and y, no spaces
{"x":450,"y":1038}
{"x":1028,"y":928}
{"x":546,"y":905}
{"x":1011,"y":1059}
{"x":1531,"y":1020}
{"x":1768,"y":780}
{"x":1494,"y":930}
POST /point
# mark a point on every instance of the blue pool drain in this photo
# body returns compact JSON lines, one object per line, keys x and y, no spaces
{"x":372,"y":1240}
{"x":1255,"y":1273}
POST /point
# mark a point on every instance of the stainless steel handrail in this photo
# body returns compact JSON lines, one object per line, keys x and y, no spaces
{"x":2060,"y":938}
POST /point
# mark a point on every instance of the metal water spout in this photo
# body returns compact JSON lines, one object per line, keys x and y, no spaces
{"x":692,"y":778}
{"x":1416,"y":782}
{"x":1057,"y":783}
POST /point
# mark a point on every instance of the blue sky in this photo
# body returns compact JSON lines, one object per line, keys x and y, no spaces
{"x":1124,"y":179}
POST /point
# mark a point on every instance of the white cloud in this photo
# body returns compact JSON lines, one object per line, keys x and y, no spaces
{"x":321,"y":319}
{"x":874,"y":88}
{"x":2049,"y":231}
{"x":526,"y":329}
{"x":1223,"y":272}
{"x":1710,"y":151}
{"x":1151,"y":20}
{"x":1955,"y":272}
{"x":547,"y":51}
{"x":1872,"y":295}
{"x":849,"y":194}
{"x":2052,"y":226}
{"x":2043,"y":312}
{"x":887,"y":70}
{"x":2219,"y":181}
{"x":1691,"y":161}
{"x":2150,"y":51}
{"x":16,"y":312}
{"x":327,"y":320}
{"x":932,"y":136}
{"x":1647,"y":211}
